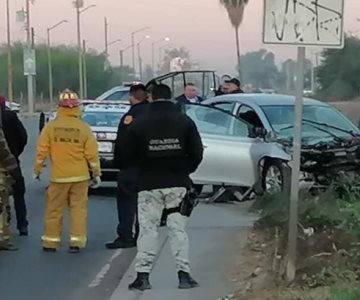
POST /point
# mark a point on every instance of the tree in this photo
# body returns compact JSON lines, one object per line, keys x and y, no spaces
{"x":235,"y":9}
{"x":65,"y":71}
{"x":339,"y":73}
{"x":259,"y":69}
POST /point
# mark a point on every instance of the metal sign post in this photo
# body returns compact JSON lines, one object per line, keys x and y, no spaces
{"x":295,"y":167}
{"x":301,"y":23}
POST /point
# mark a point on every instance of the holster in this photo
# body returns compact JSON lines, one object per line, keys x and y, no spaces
{"x":186,"y":207}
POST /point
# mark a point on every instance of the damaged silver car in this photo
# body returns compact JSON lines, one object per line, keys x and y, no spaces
{"x":330,"y":142}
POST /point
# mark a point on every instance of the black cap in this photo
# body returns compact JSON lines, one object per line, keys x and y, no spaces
{"x":234,"y":81}
{"x":137,"y":87}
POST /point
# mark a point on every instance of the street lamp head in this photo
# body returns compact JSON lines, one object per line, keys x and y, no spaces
{"x":86,"y":8}
{"x":147,"y":36}
{"x":167,"y":39}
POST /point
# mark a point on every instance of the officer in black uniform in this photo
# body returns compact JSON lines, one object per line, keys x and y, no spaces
{"x":127,"y":178}
{"x":166,"y":147}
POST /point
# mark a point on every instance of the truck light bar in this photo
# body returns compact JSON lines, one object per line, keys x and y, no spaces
{"x":105,"y":102}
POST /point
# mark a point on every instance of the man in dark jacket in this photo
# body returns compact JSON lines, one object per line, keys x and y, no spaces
{"x":16,"y":137}
{"x":190,"y":95}
{"x":127,"y":192}
{"x":223,"y":88}
{"x":166,"y":147}
{"x":234,"y":86}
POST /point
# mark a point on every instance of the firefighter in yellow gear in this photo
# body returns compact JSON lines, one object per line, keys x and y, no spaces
{"x":73,"y":152}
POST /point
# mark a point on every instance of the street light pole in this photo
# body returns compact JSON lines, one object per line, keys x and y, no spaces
{"x":9,"y":58}
{"x":166,"y":39}
{"x":106,"y":36}
{"x":79,"y":4}
{"x":133,"y":44}
{"x":30,"y":82}
{"x":122,"y":62}
{"x":85,"y":69}
{"x":81,"y":88}
{"x":139,"y":55}
{"x":51,"y":87}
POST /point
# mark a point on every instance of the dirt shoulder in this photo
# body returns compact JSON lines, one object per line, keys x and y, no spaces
{"x":259,"y":272}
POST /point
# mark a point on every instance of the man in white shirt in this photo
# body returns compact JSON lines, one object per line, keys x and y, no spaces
{"x":190,"y":95}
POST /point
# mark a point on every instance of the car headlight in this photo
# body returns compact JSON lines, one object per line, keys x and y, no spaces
{"x":111,"y":136}
{"x":105,"y":147}
{"x":101,"y":135}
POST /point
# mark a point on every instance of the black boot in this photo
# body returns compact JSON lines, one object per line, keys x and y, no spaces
{"x":74,"y":250}
{"x":141,"y":282}
{"x":23,"y":231}
{"x":121,"y":243}
{"x":186,"y":281}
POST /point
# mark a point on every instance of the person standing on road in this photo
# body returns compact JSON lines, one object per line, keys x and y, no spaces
{"x":166,"y":147}
{"x":9,"y":173}
{"x":127,"y":192}
{"x":16,"y":138}
{"x":73,"y":152}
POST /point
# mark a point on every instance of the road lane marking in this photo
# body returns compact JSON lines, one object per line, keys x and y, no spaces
{"x":104,"y":270}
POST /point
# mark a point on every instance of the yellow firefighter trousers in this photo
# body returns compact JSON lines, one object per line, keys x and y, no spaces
{"x":58,"y":197}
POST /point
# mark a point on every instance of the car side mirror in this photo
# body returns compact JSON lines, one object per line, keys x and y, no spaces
{"x":258,"y":132}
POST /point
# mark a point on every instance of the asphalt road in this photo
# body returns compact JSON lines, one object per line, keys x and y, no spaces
{"x":33,"y":275}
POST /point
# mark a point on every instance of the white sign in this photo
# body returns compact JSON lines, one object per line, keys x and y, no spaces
{"x":304,"y":22}
{"x":29,"y":62}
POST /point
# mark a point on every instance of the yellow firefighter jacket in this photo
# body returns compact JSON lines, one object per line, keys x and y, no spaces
{"x":72,"y":148}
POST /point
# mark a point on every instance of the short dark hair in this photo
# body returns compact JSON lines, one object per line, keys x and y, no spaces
{"x":189,"y":84}
{"x":161,"y":91}
{"x":138,"y":91}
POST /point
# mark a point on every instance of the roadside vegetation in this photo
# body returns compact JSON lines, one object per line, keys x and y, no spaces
{"x":328,"y":262}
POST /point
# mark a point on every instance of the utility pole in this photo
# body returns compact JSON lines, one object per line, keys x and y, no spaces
{"x":106,"y":36}
{"x":85,"y":69}
{"x":30,"y":81}
{"x":51,"y":89}
{"x":133,"y":50}
{"x":121,"y":65}
{"x":81,"y":87}
{"x":9,"y":58}
{"x":140,"y":61}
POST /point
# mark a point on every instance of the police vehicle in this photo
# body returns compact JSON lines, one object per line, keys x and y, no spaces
{"x":104,"y":118}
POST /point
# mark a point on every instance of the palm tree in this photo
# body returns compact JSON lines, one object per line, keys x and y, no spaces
{"x":235,"y":9}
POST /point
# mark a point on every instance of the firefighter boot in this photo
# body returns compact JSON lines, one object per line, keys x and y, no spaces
{"x":186,"y":281}
{"x":141,"y":282}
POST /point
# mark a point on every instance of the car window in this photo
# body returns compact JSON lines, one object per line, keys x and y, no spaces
{"x":102,"y":119}
{"x":281,"y":117}
{"x":228,"y":106}
{"x":249,"y":115}
{"x":210,"y":120}
{"x":119,"y":95}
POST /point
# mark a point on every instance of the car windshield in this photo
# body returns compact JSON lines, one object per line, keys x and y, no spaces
{"x":102,"y":119}
{"x":281,"y":119}
{"x":119,"y":95}
{"x":210,"y":120}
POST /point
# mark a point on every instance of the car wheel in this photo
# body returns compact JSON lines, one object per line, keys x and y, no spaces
{"x":275,"y":176}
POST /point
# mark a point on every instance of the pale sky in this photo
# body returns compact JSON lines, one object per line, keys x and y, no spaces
{"x":202,"y":26}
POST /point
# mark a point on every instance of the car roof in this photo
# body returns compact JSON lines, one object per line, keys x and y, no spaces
{"x":264,"y":99}
{"x":117,"y":108}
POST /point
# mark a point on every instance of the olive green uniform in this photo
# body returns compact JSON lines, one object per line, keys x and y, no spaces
{"x":8,"y":165}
